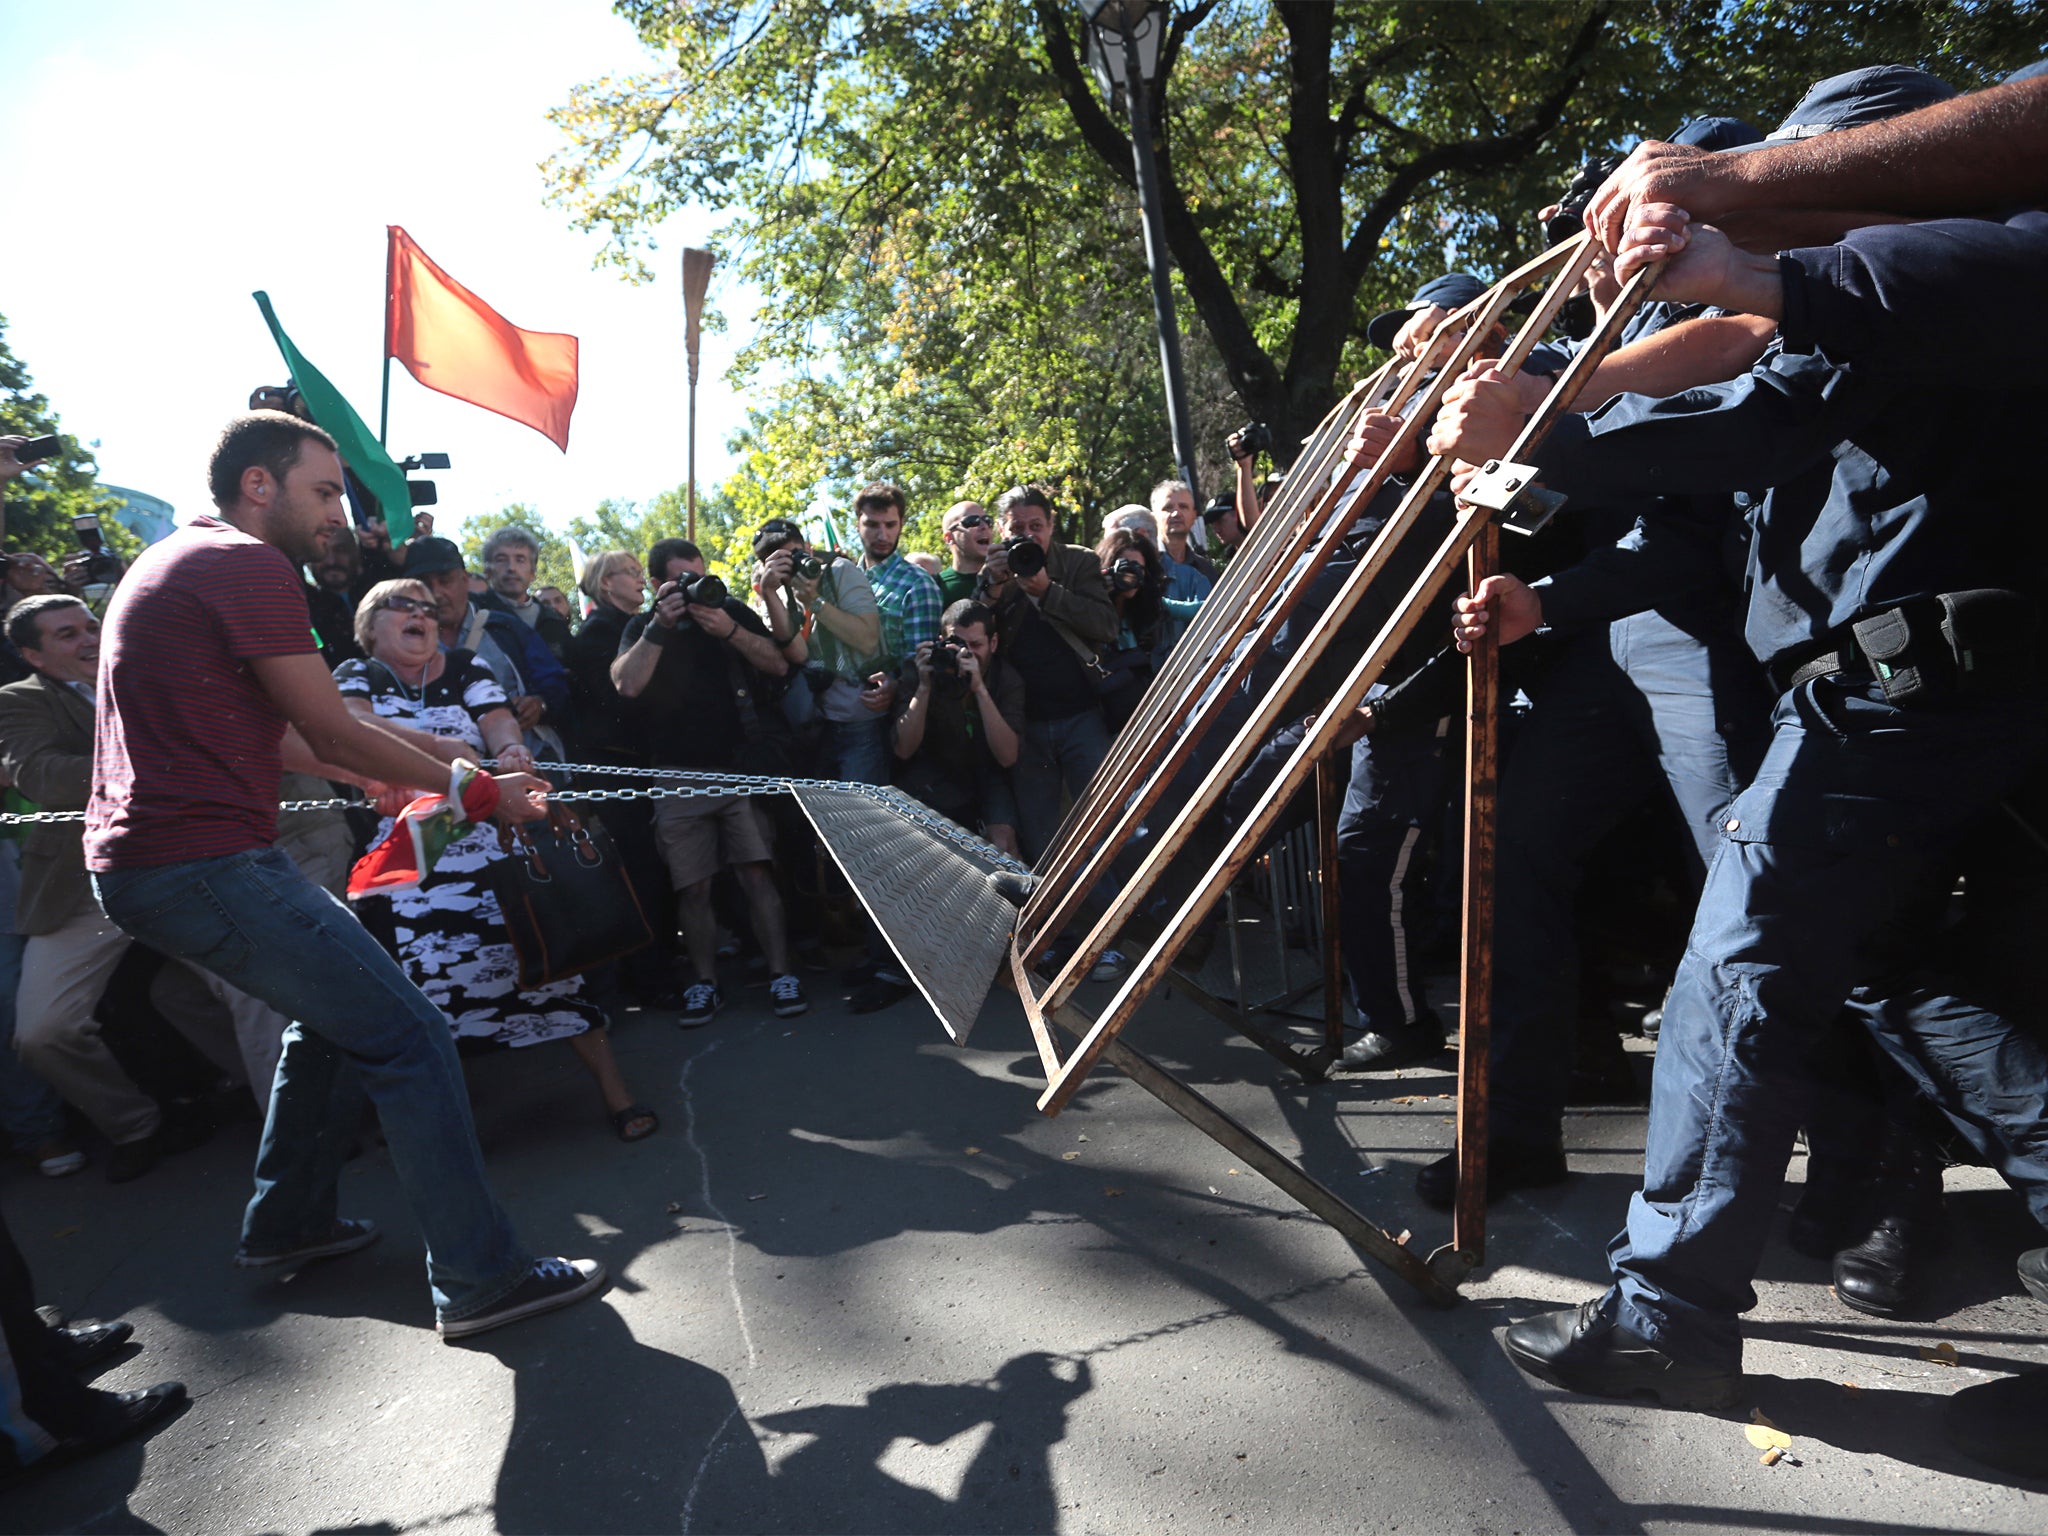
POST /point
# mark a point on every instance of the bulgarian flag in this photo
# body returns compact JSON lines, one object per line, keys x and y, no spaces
{"x":452,"y":341}
{"x":423,"y":832}
{"x":360,"y":450}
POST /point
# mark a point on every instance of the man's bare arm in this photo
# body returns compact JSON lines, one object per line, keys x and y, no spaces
{"x":1708,"y":349}
{"x":1966,"y":155}
{"x":302,"y":690}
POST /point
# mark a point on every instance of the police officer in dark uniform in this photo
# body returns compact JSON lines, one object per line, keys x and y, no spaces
{"x":1665,"y":705}
{"x":1894,"y":588}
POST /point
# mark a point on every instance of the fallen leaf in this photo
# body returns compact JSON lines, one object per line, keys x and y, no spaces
{"x":974,"y":1151}
{"x":1230,"y":1170}
{"x":1112,"y":1192}
{"x":1852,"y":1389}
{"x":1767,"y":1437}
{"x":1068,"y":1157}
{"x":1943,"y":1353}
{"x":1082,"y":1137}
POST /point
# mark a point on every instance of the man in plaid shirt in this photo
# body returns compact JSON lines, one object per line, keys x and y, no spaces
{"x":909,"y":599}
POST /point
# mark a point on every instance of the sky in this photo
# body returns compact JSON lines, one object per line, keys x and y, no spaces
{"x":184,"y":153}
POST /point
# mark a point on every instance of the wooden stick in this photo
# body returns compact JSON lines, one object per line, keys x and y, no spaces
{"x":1475,"y":991}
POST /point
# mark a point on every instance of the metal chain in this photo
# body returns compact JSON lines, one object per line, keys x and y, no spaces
{"x":700,"y":786}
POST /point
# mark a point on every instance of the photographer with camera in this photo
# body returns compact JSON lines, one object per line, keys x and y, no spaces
{"x":959,"y":723}
{"x":1052,"y":613}
{"x":696,"y":663}
{"x":1132,"y":571}
{"x":823,"y":616}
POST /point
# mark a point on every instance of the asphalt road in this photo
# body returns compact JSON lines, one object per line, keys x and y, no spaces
{"x":863,"y":1286}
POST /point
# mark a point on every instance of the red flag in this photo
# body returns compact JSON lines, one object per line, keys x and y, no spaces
{"x":452,"y":341}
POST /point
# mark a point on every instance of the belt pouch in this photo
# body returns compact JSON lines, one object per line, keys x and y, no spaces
{"x":1992,"y":634}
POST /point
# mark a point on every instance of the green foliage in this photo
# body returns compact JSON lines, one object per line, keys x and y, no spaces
{"x":942,"y":211}
{"x":552,"y":569}
{"x":41,"y":504}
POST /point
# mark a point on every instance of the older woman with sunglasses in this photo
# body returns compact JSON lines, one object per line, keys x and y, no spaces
{"x":448,"y":932}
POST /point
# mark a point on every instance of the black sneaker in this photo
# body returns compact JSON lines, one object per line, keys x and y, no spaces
{"x":346,"y":1236}
{"x":116,"y":1416}
{"x":1583,"y":1349}
{"x":786,"y":996}
{"x":549,"y":1286}
{"x":700,"y":1005}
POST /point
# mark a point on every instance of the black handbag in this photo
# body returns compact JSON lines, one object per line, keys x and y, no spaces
{"x":565,"y":897}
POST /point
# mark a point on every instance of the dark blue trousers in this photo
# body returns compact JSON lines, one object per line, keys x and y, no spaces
{"x":1856,"y":814}
{"x":1637,"y":712}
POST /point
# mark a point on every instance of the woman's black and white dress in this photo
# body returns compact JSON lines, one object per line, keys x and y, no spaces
{"x":451,"y":936}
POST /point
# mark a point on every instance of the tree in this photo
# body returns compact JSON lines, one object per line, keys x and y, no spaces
{"x":553,"y":567}
{"x":941,"y":208}
{"x":40,"y":506}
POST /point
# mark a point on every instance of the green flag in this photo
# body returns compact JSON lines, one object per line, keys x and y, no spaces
{"x":360,"y":450}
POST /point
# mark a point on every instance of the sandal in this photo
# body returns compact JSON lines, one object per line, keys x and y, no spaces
{"x":624,"y":1119}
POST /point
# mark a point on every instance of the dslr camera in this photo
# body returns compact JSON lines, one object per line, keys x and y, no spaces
{"x":1254,"y":437}
{"x":706,"y":591}
{"x":807,"y":568}
{"x":946,"y":653}
{"x":1126,"y":575}
{"x":1024,"y":556}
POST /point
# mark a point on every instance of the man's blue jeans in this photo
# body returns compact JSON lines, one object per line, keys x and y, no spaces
{"x":1055,"y":756}
{"x":253,"y":920}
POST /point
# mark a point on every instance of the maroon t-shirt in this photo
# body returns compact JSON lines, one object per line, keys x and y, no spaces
{"x":186,"y":763}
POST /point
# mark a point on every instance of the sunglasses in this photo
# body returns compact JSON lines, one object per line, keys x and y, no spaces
{"x":406,"y":605}
{"x":974,"y":520}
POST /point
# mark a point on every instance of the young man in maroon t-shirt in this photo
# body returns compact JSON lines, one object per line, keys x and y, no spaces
{"x":210,"y":686}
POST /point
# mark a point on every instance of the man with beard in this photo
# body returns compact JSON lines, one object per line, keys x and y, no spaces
{"x":209,"y":688}
{"x":909,"y":599}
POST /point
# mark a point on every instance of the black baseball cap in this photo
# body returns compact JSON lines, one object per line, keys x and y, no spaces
{"x":430,"y":557}
{"x":1221,"y":505}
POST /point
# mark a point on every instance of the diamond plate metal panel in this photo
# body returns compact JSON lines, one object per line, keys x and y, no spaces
{"x":930,"y":896}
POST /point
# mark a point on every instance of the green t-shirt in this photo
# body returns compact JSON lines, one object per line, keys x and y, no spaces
{"x":954,"y":585}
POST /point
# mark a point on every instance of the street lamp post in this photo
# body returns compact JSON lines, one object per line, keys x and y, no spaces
{"x":1123,"y":49}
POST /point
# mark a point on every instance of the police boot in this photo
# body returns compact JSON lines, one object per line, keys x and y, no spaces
{"x":1883,"y":1274}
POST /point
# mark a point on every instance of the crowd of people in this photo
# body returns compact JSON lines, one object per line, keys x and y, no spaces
{"x":1792,"y":613}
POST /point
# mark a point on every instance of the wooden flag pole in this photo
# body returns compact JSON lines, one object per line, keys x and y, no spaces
{"x":696,"y":278}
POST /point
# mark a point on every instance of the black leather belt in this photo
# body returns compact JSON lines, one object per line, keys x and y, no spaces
{"x":1842,"y":663}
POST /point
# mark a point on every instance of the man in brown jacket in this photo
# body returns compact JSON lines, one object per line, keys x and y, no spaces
{"x":46,"y":731}
{"x":1053,"y":621}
